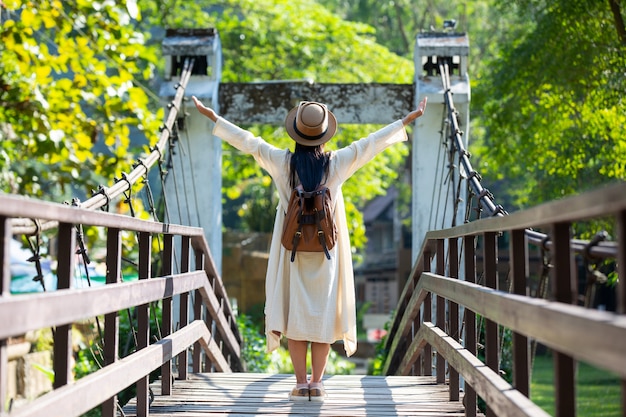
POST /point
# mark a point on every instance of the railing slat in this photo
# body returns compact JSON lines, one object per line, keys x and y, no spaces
{"x":111,"y":320}
{"x":183,"y":313}
{"x":564,"y":291}
{"x":469,"y":260}
{"x":5,"y":291}
{"x":521,"y":360}
{"x":490,"y":268}
{"x":440,"y":308}
{"x":621,"y":285}
{"x":427,"y":365}
{"x":62,"y":335}
{"x":198,"y":307}
{"x":143,"y":321}
{"x":453,"y":308}
{"x":167,"y":316}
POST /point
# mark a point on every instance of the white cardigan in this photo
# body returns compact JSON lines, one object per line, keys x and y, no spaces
{"x":313,"y":298}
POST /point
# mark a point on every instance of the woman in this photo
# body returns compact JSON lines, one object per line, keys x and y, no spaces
{"x":310,"y":300}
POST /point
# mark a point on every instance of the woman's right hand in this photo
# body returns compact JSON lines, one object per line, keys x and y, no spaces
{"x":208,"y":112}
{"x":421,"y":108}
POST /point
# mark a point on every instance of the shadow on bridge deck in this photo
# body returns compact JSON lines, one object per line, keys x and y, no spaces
{"x":247,"y":394}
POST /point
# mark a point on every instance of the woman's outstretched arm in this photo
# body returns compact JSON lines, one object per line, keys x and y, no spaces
{"x":208,"y":112}
{"x":409,"y":118}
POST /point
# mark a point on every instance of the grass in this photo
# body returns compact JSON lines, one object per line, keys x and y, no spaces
{"x":598,"y":392}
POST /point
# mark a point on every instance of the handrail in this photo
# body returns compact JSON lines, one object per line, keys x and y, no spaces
{"x":213,"y":330}
{"x":101,"y":385}
{"x":558,"y":323}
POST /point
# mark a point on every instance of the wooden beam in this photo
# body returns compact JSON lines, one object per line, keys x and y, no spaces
{"x":26,"y":209}
{"x":36,"y":311}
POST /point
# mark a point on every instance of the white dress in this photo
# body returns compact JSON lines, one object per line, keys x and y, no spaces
{"x":313,"y":298}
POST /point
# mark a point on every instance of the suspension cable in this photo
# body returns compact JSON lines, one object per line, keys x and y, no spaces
{"x":105,"y":195}
{"x":486,"y":201}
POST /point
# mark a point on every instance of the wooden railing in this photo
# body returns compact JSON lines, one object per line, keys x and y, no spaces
{"x":445,"y":278}
{"x":211,"y":340}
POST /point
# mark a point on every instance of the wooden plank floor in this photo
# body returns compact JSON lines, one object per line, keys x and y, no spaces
{"x":248,"y":394}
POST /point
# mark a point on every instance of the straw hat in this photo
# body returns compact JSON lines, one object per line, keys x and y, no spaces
{"x":310,"y":123}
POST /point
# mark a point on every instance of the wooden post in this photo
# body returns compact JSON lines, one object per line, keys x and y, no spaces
{"x":469,"y":399}
{"x":453,"y":261}
{"x":111,"y":320}
{"x":183,"y":361}
{"x":143,"y":319}
{"x":621,"y":285}
{"x":564,"y":291}
{"x":167,"y":313}
{"x":521,"y":360}
{"x":492,"y":345}
{"x":5,"y":291}
{"x":63,"y":334}
{"x":441,"y":310}
{"x":197,"y":315}
{"x":427,"y":364}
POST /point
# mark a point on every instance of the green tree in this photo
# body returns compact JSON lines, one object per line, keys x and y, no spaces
{"x":551,"y":103}
{"x":73,"y":85}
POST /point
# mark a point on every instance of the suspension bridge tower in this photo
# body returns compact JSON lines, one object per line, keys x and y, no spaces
{"x":193,"y":185}
{"x":437,"y":199}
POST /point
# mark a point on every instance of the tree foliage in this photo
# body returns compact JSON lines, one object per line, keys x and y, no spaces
{"x":547,"y":79}
{"x":73,"y":84}
{"x":552,"y":102}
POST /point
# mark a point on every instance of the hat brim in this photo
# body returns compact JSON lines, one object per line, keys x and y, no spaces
{"x":291,"y":131}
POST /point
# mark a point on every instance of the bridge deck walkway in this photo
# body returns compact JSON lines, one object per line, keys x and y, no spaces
{"x":246,"y":394}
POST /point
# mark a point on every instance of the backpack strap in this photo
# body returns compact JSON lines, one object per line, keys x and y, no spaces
{"x":298,"y":234}
{"x":320,"y":233}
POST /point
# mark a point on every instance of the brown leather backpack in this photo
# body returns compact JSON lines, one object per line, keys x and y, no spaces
{"x":309,"y":225}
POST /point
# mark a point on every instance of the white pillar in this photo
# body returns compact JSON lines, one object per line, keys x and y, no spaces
{"x":430,"y":160}
{"x":194,"y":183}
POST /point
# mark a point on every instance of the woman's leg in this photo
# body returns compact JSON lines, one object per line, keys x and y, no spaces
{"x":319,"y":359}
{"x":297,"y":351}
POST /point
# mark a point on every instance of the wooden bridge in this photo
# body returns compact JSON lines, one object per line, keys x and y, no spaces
{"x":213,"y":341}
{"x":433,"y":364}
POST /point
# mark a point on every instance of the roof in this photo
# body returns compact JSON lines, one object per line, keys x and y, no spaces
{"x":378,"y":205}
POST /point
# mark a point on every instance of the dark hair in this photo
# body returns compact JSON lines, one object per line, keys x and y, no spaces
{"x":309,"y":165}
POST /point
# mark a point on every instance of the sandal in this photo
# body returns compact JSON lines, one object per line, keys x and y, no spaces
{"x":299,"y":394}
{"x":317,"y":393}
